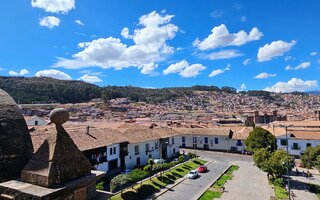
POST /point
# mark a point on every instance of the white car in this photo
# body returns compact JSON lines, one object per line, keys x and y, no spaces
{"x":159,"y":161}
{"x":193,"y":174}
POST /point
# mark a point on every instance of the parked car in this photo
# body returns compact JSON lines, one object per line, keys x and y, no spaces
{"x":159,"y":161}
{"x":202,"y":169}
{"x":127,"y":171}
{"x":193,"y":174}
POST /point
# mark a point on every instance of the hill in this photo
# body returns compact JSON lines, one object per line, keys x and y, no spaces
{"x":48,"y":90}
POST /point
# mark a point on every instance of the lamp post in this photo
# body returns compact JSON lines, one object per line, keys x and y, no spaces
{"x":288,"y":171}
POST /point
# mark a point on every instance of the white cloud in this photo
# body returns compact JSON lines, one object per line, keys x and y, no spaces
{"x":184,"y":69}
{"x":219,"y":71}
{"x":303,"y":65}
{"x":293,"y":85}
{"x":289,"y":58}
{"x":49,"y":21}
{"x":79,"y":22}
{"x":90,"y":79}
{"x":220,"y":37}
{"x":224,"y":54}
{"x":243,"y":19}
{"x":288,"y":67}
{"x":246,"y":61}
{"x":274,"y":49}
{"x":243,"y":87}
{"x":125,"y":33}
{"x":53,"y":74}
{"x":264,"y":75}
{"x":150,"y":46}
{"x":54,"y":6}
{"x":313,"y":53}
{"x":217,"y":13}
{"x":21,"y":73}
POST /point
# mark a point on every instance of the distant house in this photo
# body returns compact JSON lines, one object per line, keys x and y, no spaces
{"x":216,"y":139}
{"x":35,"y":121}
{"x":301,"y":134}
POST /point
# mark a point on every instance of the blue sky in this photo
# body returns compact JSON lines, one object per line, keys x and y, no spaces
{"x":272,"y":45}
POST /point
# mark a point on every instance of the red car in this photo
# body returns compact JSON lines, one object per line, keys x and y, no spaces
{"x":202,"y":169}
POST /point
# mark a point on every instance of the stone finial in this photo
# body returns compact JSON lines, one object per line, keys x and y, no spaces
{"x":59,"y":116}
{"x":58,"y":160}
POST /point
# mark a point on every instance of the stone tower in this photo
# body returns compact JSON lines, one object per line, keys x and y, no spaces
{"x":15,"y":143}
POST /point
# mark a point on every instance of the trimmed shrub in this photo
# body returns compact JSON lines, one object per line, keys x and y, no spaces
{"x":119,"y":182}
{"x":278,"y":182}
{"x":137,"y":175}
{"x":181,"y":159}
{"x":99,"y":186}
{"x":147,"y":168}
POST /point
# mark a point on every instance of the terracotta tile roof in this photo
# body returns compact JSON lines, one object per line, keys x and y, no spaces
{"x":242,"y":134}
{"x":97,"y":137}
{"x":147,"y":134}
{"x":303,"y":135}
{"x":203,"y":131}
{"x":299,"y":123}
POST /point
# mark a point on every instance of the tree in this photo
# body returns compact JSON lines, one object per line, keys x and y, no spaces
{"x":151,"y":162}
{"x":310,"y":158}
{"x":274,"y":163}
{"x":260,"y":138}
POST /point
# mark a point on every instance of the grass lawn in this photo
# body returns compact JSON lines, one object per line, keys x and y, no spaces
{"x":209,"y":195}
{"x":280,"y":192}
{"x":212,"y":192}
{"x":156,"y":183}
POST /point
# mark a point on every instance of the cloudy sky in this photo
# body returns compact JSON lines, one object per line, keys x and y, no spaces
{"x":267,"y":45}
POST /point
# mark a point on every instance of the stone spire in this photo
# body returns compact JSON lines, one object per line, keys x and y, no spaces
{"x":58,"y":160}
{"x":15,"y":143}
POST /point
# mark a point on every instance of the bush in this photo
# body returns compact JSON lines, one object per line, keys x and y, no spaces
{"x":137,"y":175}
{"x":119,"y":182}
{"x":99,"y":186}
{"x":192,"y":155}
{"x":278,"y":181}
{"x":157,"y":167}
{"x":181,"y":159}
{"x":147,"y":168}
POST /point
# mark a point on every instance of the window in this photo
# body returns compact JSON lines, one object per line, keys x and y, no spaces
{"x":172,"y":140}
{"x":295,"y":146}
{"x":283,"y":142}
{"x":216,"y":140}
{"x":239,"y":143}
{"x":110,"y":151}
{"x":114,"y":150}
{"x":308,"y":145}
{"x":36,"y":123}
{"x":174,"y":151}
{"x":147,"y":147}
{"x":194,"y":139}
{"x":183,"y":139}
{"x":113,"y":164}
{"x":156,"y":145}
{"x":136,"y":149}
{"x":206,"y":140}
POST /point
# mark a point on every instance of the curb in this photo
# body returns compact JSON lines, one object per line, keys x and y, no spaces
{"x":206,"y":188}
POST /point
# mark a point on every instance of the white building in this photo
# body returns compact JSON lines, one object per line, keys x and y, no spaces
{"x":298,"y":141}
{"x":35,"y":121}
{"x":218,"y":139}
{"x":301,"y":134}
{"x":145,"y":143}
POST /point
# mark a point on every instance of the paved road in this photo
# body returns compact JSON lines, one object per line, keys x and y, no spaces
{"x":300,"y":189}
{"x":193,"y":188}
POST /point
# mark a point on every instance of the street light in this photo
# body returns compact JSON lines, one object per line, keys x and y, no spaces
{"x":288,"y":172}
